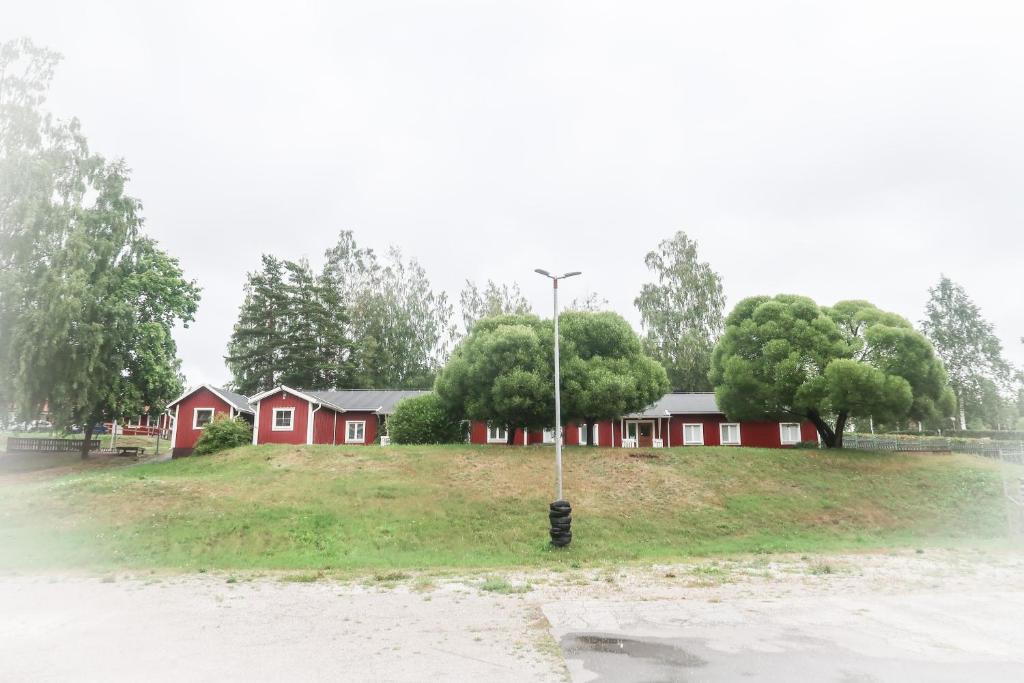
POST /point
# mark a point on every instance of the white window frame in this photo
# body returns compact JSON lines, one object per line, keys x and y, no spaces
{"x":291,"y":420}
{"x":349,"y":424}
{"x":721,"y":435}
{"x":782,"y":433}
{"x":581,"y":434}
{"x":195,"y":416}
{"x":689,"y":442}
{"x":496,"y":429}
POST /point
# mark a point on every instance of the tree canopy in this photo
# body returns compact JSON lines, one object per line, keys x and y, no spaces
{"x":502,"y":373}
{"x":361,"y":322}
{"x":493,"y":299}
{"x":604,"y":370}
{"x":681,"y":312}
{"x":785,"y":357}
{"x":402,"y":328}
{"x":292,"y":329}
{"x":87,"y":301}
{"x":970,"y":350}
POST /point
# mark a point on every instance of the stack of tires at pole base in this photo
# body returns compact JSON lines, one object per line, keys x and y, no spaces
{"x":560,"y":515}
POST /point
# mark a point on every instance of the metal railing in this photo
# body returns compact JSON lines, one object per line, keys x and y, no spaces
{"x":926,"y":444}
{"x":16,"y":445}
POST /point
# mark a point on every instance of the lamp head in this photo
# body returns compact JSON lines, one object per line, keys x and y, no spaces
{"x":542,"y":272}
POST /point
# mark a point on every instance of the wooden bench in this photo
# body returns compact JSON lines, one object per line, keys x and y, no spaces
{"x":134,"y":451}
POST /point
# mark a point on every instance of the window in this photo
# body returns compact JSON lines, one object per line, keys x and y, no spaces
{"x":693,"y":435}
{"x":496,"y":434}
{"x":284,"y":419}
{"x":582,"y":434}
{"x":355,"y":432}
{"x":789,"y":433}
{"x":730,"y":433}
{"x":201,"y":417}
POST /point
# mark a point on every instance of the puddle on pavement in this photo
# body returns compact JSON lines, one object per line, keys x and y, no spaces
{"x":578,"y":645}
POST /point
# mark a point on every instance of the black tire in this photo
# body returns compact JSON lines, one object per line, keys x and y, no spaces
{"x":565,"y":522}
{"x":559,"y":515}
{"x":560,"y":505}
{"x":561,"y":540}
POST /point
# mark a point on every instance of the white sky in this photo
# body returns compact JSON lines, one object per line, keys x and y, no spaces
{"x":838,"y":150}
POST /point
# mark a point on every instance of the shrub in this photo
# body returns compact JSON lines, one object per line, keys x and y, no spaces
{"x":223,"y":433}
{"x":423,"y":419}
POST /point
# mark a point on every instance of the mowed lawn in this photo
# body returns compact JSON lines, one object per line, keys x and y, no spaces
{"x":354,"y":508}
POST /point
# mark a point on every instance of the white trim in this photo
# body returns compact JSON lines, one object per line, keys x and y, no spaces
{"x":782,"y":433}
{"x":174,"y":430}
{"x":503,"y":439}
{"x":689,"y":442}
{"x":309,"y":422}
{"x":348,"y":427}
{"x":636,"y":436}
{"x":195,"y":416}
{"x":581,"y":434}
{"x":256,"y":427}
{"x":291,"y":420}
{"x":721,"y":438}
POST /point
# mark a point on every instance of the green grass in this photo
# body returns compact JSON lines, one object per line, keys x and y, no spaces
{"x":385,"y":510}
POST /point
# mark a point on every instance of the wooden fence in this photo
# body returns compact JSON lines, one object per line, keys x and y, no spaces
{"x":15,"y":445}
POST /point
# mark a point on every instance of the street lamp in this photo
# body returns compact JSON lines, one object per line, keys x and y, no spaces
{"x":560,"y":512}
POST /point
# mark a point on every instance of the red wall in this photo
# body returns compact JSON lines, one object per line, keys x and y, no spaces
{"x":758,"y":434}
{"x":184,"y":436}
{"x":283,"y":399}
{"x":340,"y":421}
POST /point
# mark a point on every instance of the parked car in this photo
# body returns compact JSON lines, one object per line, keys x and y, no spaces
{"x":40,"y":426}
{"x":99,"y":428}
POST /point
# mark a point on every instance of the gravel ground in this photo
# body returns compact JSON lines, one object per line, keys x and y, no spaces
{"x":755,"y":617}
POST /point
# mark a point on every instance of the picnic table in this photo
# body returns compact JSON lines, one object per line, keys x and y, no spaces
{"x":134,"y":451}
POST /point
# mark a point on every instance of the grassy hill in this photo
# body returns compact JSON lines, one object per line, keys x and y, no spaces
{"x":464,"y":506}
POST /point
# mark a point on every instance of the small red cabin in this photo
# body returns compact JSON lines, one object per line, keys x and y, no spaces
{"x":197,"y":407}
{"x":304,"y":416}
{"x":677,"y":419}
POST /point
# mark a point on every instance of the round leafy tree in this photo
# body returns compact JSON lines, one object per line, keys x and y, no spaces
{"x":605,"y":373}
{"x":785,"y":357}
{"x":502,"y":374}
{"x":223,"y":433}
{"x":424,"y":419}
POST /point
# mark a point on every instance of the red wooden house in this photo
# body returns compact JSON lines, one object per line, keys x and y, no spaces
{"x":303,"y":416}
{"x":195,"y":408}
{"x":677,"y":419}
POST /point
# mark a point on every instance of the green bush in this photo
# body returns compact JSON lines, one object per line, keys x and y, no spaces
{"x":423,"y":419}
{"x":223,"y":433}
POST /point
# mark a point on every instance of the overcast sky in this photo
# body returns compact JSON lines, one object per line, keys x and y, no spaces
{"x":837,"y":150}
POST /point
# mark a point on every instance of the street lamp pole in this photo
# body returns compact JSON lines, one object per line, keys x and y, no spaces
{"x":560,"y":512}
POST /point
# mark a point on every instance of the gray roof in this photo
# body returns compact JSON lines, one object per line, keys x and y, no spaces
{"x":690,"y":403}
{"x":382,"y":401}
{"x":239,"y":402}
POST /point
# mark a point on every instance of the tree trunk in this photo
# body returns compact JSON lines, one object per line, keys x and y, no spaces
{"x":962,"y":412}
{"x":840,"y":427}
{"x":510,"y":435}
{"x":827,"y":435}
{"x":87,"y":433}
